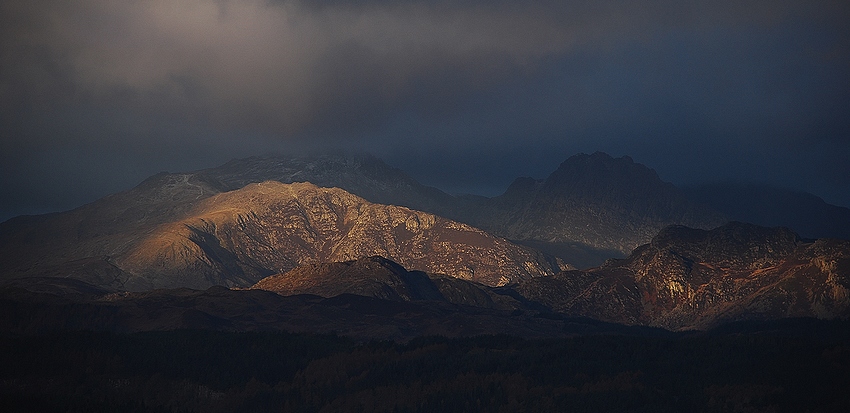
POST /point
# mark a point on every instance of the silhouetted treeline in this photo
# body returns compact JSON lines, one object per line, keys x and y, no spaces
{"x":792,"y":365}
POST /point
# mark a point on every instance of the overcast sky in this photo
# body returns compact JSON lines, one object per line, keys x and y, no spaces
{"x":96,"y":95}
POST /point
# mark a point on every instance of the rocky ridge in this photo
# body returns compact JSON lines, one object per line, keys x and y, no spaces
{"x":689,"y":278}
{"x":684,"y":279}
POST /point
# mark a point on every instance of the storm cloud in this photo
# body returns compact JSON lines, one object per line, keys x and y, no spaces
{"x":95,"y":95}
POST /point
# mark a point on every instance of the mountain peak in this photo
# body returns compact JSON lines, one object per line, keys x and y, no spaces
{"x":595,"y":200}
{"x":599,"y":173}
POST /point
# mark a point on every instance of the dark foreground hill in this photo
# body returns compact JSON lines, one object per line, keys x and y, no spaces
{"x":53,"y":305}
{"x":787,"y":366}
{"x":66,"y":346}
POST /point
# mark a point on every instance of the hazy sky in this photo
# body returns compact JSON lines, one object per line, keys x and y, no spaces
{"x":96,"y":95}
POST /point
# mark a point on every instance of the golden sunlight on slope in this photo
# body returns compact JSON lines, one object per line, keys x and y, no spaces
{"x":237,"y":237}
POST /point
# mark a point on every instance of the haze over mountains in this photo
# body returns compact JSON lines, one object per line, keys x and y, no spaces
{"x":769,"y":206}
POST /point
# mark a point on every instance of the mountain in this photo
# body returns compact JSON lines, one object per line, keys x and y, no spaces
{"x":807,"y":214}
{"x":83,"y":242}
{"x":181,"y":231}
{"x":591,"y":201}
{"x":689,"y":278}
{"x":593,"y":207}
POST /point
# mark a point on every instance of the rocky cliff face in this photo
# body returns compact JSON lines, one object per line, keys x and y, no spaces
{"x":689,"y":278}
{"x":180,"y":230}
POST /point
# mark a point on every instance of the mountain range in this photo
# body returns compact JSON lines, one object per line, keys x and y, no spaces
{"x":683,"y":279}
{"x":333,"y":226}
{"x":693,"y":279}
{"x":592,"y":207}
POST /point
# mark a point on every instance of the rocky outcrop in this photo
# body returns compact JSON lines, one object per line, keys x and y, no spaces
{"x":689,"y":278}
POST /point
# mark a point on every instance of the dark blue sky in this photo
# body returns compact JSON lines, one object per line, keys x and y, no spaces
{"x":96,"y":95}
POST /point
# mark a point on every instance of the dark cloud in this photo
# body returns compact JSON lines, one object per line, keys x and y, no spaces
{"x":97,"y":94}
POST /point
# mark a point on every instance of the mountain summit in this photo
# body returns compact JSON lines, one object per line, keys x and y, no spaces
{"x":593,"y":200}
